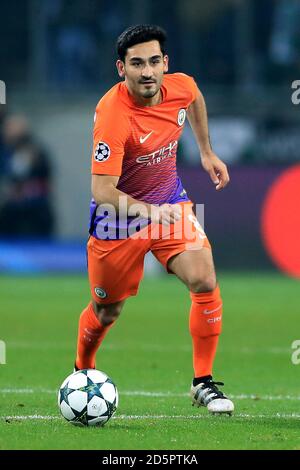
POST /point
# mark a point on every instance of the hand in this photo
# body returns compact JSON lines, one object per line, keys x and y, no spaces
{"x":166,"y":214}
{"x":216,"y":169}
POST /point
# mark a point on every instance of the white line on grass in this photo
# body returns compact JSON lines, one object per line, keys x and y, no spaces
{"x":137,"y":417}
{"x":30,"y":417}
{"x":152,"y":348}
{"x":242,"y":396}
{"x":141,"y":393}
{"x":207,"y":415}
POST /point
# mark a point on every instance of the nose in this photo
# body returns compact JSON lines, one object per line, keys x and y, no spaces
{"x":147,"y":71}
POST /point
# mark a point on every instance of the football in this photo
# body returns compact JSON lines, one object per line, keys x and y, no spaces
{"x":88,"y":397}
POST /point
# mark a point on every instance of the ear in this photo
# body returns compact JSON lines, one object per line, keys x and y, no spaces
{"x":166,"y":63}
{"x":121,"y":68}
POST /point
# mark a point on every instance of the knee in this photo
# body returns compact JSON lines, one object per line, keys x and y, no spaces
{"x":206,"y":283}
{"x":107,"y":314}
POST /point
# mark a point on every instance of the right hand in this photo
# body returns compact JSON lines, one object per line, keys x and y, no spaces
{"x":166,"y":214}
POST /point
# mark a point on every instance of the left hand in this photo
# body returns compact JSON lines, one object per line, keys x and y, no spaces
{"x":216,"y":169}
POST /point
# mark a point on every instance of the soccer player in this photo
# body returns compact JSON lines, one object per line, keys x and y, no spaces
{"x":138,"y":123}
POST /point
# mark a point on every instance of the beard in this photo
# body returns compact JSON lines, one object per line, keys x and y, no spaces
{"x":149,"y":93}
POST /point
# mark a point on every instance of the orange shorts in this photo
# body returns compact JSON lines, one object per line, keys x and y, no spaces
{"x":115,"y":267}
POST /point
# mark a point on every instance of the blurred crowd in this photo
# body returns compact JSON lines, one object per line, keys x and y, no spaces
{"x":25,"y":181}
{"x":207,"y":39}
{"x":70,"y":45}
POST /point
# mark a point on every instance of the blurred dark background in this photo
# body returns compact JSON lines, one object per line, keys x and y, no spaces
{"x":63,"y":44}
{"x":57,"y":57}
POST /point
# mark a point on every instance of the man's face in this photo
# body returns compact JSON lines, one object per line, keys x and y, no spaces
{"x":143,"y":69}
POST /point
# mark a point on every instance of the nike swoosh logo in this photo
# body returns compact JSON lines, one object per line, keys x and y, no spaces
{"x":207,"y":312}
{"x":143,"y":139}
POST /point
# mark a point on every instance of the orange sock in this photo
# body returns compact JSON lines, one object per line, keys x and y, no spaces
{"x":205,"y":328}
{"x":90,"y":335}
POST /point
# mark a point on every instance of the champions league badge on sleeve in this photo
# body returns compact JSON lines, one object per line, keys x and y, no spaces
{"x":102,"y":152}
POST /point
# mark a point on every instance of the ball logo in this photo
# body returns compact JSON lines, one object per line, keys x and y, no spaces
{"x":100,"y":292}
{"x":102,"y":152}
{"x":181,"y":116}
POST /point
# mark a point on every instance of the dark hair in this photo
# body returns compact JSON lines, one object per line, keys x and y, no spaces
{"x":138,"y":34}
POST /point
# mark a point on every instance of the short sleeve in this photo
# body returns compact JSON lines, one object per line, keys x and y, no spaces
{"x":110,"y":135}
{"x":191,"y":85}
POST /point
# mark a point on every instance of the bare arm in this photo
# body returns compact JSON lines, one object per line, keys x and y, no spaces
{"x":104,"y":190}
{"x":197,"y":116}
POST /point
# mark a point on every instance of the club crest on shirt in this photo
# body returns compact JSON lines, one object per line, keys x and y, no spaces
{"x":102,"y":152}
{"x":181,"y":116}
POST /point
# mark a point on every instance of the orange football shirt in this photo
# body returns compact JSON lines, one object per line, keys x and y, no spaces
{"x":139,"y":143}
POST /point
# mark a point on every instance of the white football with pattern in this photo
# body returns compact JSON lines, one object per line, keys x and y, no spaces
{"x":88,"y":397}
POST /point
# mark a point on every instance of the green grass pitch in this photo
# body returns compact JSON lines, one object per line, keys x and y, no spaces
{"x":148,"y":355}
